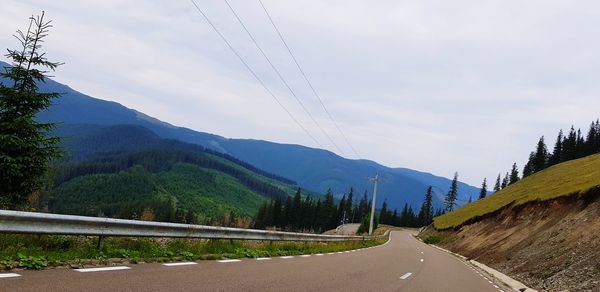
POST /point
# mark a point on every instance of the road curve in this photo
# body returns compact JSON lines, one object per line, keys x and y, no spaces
{"x":403,"y":264}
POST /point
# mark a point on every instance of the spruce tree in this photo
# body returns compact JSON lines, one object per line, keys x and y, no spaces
{"x":349,"y":206}
{"x":497,"y":186}
{"x":426,"y":213}
{"x":383,"y":218}
{"x":590,"y":147}
{"x":569,"y":146}
{"x":514,"y":174}
{"x":541,"y":156}
{"x":556,"y":157}
{"x":528,"y":169}
{"x":25,"y":148}
{"x":483,"y":191}
{"x":450,"y":200}
{"x":363,"y":207}
{"x":504,"y":181}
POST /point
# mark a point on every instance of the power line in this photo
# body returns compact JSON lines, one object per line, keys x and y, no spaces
{"x":254,"y":74}
{"x":307,"y":80}
{"x":281,"y":78}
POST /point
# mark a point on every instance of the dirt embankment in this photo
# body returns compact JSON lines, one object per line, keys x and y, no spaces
{"x":550,"y":246}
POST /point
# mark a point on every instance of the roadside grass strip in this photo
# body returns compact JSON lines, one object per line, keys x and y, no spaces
{"x":229,"y":261}
{"x":9,"y":275}
{"x":103,"y":269}
{"x":179,"y":264}
{"x":405,"y":276}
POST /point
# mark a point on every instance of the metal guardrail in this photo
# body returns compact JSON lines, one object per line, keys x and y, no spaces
{"x":45,"y":223}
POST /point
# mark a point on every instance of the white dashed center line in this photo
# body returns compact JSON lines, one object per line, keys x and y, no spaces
{"x":179,"y":264}
{"x":286,"y":257}
{"x":422,"y":260}
{"x":305,"y":256}
{"x":88,"y":270}
{"x":9,"y":275}
{"x":319,"y":254}
{"x":262,"y":259}
{"x":405,"y":276}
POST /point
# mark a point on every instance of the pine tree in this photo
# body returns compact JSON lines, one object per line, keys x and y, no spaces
{"x":541,"y":156}
{"x":349,"y":206}
{"x":569,"y":146}
{"x":528,"y":169}
{"x":450,"y":200}
{"x":514,"y":174}
{"x":341,"y":211}
{"x":426,"y":213}
{"x":579,"y":145}
{"x":25,"y":148}
{"x":590,"y":147}
{"x":295,"y":215}
{"x":504,"y":181}
{"x":383,"y":218}
{"x":497,"y":186}
{"x":556,"y":157}
{"x":483,"y":191}
{"x":363,"y":207}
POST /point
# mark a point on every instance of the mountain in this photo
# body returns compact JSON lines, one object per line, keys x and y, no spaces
{"x":311,"y":168}
{"x":127,"y":170}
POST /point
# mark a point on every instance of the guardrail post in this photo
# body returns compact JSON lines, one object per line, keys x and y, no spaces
{"x":101,"y":242}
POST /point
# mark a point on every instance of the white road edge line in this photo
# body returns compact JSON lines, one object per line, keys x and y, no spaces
{"x":422,"y":260}
{"x":318,"y":254}
{"x":118,"y":268}
{"x":179,"y":264}
{"x":9,"y":275}
{"x":405,"y":276}
{"x":262,"y":259}
{"x":286,"y":257}
{"x":229,"y":261}
{"x":305,"y":255}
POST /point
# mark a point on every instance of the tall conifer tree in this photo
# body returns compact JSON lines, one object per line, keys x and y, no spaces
{"x":450,"y":200}
{"x":483,"y":191}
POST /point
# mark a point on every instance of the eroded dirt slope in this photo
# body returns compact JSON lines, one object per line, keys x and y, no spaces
{"x":550,"y":246}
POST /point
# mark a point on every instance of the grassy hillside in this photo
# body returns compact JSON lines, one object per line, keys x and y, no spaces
{"x":564,"y":179}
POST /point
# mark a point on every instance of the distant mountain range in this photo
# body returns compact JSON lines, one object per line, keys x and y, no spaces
{"x":314,"y":169}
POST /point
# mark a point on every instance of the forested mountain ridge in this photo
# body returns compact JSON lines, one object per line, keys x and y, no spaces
{"x":314,"y":169}
{"x":127,"y":171}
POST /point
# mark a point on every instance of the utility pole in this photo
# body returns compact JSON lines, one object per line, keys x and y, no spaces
{"x":375,"y":180}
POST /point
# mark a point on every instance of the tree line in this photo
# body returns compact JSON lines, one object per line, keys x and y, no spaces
{"x":574,"y":145}
{"x":300,"y":213}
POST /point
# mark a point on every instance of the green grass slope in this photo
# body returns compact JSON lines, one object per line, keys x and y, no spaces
{"x":568,"y":178}
{"x":186,"y":187}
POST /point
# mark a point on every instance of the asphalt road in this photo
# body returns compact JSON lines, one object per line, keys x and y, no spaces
{"x":403,"y":264}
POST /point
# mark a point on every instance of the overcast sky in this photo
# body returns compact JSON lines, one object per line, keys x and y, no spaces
{"x":437,"y":86}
